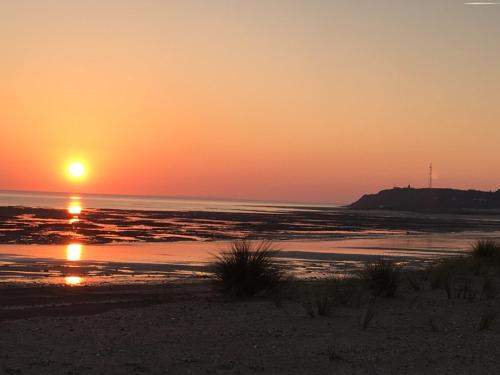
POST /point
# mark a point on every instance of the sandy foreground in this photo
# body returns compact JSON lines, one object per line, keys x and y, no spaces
{"x":188,"y":329}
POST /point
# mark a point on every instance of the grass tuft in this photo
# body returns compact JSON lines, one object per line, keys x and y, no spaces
{"x":325,"y":305}
{"x":489,"y":288}
{"x":486,"y":249}
{"x":462,"y":278}
{"x":414,"y":280}
{"x":382,"y":277}
{"x":320,"y":305}
{"x":247,"y":269}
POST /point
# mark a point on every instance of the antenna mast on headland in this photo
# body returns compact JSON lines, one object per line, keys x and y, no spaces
{"x":430,"y":176}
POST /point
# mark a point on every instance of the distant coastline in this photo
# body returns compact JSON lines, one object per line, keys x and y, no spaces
{"x":430,"y":200}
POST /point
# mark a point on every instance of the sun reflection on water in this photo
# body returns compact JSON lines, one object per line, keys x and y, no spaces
{"x":74,"y":252}
{"x":73,"y":280}
{"x":75,"y":208}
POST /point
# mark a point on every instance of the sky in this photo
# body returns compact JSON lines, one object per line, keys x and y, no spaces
{"x":311,"y":101}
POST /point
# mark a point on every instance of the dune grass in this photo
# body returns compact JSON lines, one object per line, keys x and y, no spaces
{"x":486,"y":249}
{"x":319,"y":304}
{"x":247,"y":269}
{"x":382,"y":277}
{"x":472,"y":276}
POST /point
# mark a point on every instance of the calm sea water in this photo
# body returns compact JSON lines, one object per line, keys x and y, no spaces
{"x":60,"y":200}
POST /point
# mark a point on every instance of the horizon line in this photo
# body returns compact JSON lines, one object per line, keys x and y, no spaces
{"x":205,"y":198}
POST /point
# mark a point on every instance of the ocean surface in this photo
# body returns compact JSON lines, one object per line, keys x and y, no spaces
{"x":82,"y":239}
{"x":124,"y":202}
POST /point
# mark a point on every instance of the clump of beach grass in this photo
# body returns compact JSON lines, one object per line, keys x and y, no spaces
{"x":472,"y":276}
{"x":415,"y":279}
{"x":486,"y":249}
{"x":319,"y":305}
{"x":382,"y":277}
{"x":459,"y":277}
{"x":489,"y":288}
{"x":247,"y":268}
{"x":346,"y":290}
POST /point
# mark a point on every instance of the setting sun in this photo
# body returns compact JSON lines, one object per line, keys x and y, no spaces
{"x":76,"y":170}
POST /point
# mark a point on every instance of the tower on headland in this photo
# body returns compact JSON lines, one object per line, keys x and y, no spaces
{"x":430,"y":176}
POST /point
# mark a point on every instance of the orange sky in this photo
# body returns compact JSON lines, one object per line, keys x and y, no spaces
{"x":278,"y":100}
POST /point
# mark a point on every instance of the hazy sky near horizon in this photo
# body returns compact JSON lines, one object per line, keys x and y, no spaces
{"x":280,"y":100}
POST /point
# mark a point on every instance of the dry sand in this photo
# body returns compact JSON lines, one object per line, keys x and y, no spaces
{"x":193,"y":331}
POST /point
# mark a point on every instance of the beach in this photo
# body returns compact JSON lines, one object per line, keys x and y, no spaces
{"x":132,"y":291}
{"x":191,"y":330}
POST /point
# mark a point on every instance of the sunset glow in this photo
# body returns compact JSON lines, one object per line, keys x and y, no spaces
{"x":295,"y":101}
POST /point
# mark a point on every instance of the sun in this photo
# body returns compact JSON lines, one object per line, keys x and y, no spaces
{"x":76,"y":170}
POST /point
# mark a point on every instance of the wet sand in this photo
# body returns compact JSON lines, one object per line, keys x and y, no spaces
{"x":28,"y":225}
{"x":122,"y":263}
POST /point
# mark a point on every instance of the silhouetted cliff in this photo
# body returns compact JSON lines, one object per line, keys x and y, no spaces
{"x":410,"y":199}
